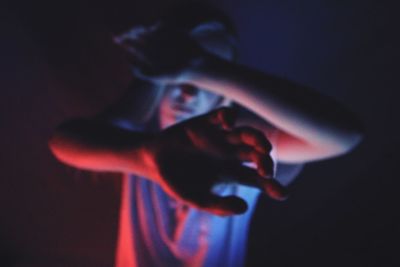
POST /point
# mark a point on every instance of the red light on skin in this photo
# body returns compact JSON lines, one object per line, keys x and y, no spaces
{"x":125,"y":252}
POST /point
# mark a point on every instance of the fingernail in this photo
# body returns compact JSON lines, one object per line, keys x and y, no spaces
{"x":276,"y":191}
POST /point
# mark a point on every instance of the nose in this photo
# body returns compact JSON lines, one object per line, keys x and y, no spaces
{"x":187,"y":92}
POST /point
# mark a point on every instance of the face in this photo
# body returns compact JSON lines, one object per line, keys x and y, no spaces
{"x":184,"y":101}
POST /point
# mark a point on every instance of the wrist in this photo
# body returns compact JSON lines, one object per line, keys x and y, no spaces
{"x":148,"y":155}
{"x":139,"y":157}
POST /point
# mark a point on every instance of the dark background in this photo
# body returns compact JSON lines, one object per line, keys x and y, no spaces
{"x":342,"y":212}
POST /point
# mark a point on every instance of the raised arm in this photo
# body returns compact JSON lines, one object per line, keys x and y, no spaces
{"x":310,"y":126}
{"x":186,"y":160}
{"x":98,"y":146}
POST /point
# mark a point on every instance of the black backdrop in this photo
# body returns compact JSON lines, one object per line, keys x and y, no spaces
{"x":342,"y":212}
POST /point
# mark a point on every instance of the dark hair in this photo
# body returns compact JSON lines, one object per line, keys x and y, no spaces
{"x":188,"y":15}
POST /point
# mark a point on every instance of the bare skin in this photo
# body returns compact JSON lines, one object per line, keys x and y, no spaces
{"x":207,"y":150}
{"x":312,"y":126}
{"x":188,"y":158}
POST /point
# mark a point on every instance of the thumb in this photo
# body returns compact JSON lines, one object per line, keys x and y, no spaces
{"x":225,"y":205}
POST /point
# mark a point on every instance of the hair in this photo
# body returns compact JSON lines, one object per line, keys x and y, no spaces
{"x":199,"y":19}
{"x":189,"y":15}
{"x":194,"y":18}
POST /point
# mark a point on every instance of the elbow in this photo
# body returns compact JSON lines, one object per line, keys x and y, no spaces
{"x":353,"y":137}
{"x":352,"y":141}
{"x":65,"y":144}
{"x":355,"y":134}
{"x":58,"y":148}
{"x":346,"y":143}
{"x":70,"y":153}
{"x":66,"y":148}
{"x":336,"y":147}
{"x":348,"y":137}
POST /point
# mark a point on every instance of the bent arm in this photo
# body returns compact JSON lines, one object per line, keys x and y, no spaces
{"x":97,"y":146}
{"x":311,"y":126}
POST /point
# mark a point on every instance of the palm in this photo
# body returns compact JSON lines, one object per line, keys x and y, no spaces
{"x":194,"y":155}
{"x":161,"y":53}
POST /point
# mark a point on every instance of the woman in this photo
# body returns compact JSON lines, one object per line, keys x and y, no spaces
{"x":187,"y":154}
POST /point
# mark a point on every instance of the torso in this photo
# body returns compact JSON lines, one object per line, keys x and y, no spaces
{"x":157,"y":230}
{"x":165,"y":232}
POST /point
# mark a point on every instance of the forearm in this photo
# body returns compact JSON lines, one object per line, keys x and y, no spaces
{"x":293,"y":108}
{"x":93,"y":145}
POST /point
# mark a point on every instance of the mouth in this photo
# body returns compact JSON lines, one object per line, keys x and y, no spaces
{"x":181,"y":109}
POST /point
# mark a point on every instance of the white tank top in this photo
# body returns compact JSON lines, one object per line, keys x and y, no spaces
{"x":157,"y":230}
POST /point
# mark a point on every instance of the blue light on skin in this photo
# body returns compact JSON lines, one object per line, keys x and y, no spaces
{"x":183,"y":101}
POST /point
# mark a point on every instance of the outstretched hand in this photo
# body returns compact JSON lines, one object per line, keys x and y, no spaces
{"x":192,"y":156}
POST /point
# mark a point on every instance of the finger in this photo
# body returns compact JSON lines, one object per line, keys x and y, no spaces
{"x":224,"y":205}
{"x":134,"y":56}
{"x":248,"y":176}
{"x":264,"y":163}
{"x":130,"y":42}
{"x":135,"y":33}
{"x":275,"y":190}
{"x":222,"y":117}
{"x":250,"y":136}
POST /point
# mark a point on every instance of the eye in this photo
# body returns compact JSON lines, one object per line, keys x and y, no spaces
{"x":188,"y":89}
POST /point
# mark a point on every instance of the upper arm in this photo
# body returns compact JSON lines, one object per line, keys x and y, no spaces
{"x":289,"y":148}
